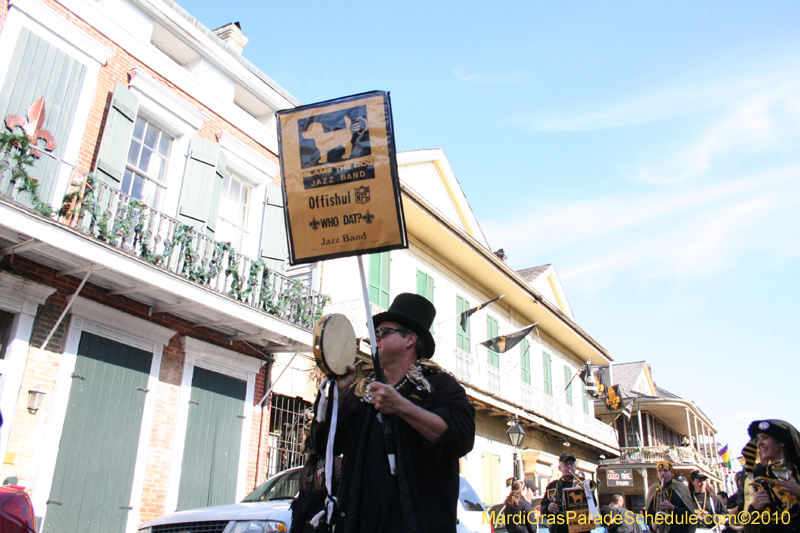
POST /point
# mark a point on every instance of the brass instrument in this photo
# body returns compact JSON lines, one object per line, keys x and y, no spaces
{"x":579,"y":482}
{"x":777,"y":499}
{"x":662,"y":497}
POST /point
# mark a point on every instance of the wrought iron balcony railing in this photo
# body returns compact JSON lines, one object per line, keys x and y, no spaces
{"x":509,"y":387}
{"x":678,"y":455}
{"x":108,"y":215}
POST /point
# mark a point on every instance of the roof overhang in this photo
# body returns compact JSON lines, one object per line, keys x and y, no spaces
{"x":492,"y":276}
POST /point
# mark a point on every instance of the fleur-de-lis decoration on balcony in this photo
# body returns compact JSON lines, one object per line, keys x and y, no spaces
{"x":33,"y":126}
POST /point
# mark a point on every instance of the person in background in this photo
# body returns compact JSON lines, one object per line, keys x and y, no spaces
{"x":670,"y":497}
{"x":617,"y":518}
{"x":518,"y":512}
{"x":710,"y":510}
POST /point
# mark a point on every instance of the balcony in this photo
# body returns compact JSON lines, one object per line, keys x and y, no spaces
{"x":677,"y":455}
{"x":105,"y":215}
{"x":510,"y":388}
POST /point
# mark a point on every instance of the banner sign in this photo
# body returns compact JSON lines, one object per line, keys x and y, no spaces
{"x":619,"y":477}
{"x":341,"y":190}
{"x":576,"y":507}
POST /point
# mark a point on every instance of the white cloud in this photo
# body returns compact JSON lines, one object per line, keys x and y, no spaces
{"x":687,"y":231}
{"x":514,"y":78}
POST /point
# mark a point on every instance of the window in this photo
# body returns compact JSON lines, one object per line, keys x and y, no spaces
{"x":525,"y":361}
{"x":568,"y":385}
{"x":491,"y":333}
{"x":462,"y":326}
{"x":146,"y":166}
{"x":425,"y":287}
{"x":547,"y":362}
{"x":234,"y":206}
{"x":379,"y":279}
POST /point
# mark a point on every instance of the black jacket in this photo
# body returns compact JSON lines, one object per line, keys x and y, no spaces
{"x":424,"y":494}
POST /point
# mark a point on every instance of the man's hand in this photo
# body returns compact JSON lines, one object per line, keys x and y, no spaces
{"x":553,"y":507}
{"x":666,"y":506}
{"x":343,"y":383}
{"x":789,"y":485}
{"x":760,"y":500}
{"x":385,"y":398}
{"x":390,"y":402}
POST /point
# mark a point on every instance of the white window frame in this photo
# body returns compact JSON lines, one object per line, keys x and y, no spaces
{"x":256,"y":170}
{"x":178,"y":119}
{"x":229,"y":363}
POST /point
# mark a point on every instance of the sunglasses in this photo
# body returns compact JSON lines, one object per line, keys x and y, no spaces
{"x":384,"y":331}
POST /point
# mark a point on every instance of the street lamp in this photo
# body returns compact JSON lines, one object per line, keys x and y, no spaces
{"x":515,"y":435}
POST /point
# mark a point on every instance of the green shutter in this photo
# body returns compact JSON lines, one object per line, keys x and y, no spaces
{"x":200,"y":182}
{"x":213,"y":438}
{"x":548,"y":374}
{"x":379,"y":279}
{"x":422,"y":281}
{"x":39,"y":69}
{"x":568,"y":387}
{"x":116,"y":138}
{"x":425,"y":287}
{"x":525,"y":361}
{"x":274,"y":245}
{"x":93,"y":478}
{"x":211,"y":223}
{"x":491,"y":332}
{"x":462,"y":336}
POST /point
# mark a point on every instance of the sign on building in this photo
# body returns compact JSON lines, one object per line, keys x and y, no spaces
{"x":340,"y":183}
{"x":619,"y":477}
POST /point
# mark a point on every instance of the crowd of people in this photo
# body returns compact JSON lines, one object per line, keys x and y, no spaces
{"x":420,"y":419}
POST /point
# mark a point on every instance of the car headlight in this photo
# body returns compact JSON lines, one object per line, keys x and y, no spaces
{"x":258,"y":526}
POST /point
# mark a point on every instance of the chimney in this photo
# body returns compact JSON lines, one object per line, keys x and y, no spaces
{"x":233,"y":36}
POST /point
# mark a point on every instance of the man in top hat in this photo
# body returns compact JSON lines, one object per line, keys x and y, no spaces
{"x":432,"y":423}
{"x":553,"y":506}
{"x":669,"y":504}
{"x":773,"y":482}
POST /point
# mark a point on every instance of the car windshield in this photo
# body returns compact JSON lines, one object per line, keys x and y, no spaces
{"x":283,"y":486}
{"x":469,"y":499}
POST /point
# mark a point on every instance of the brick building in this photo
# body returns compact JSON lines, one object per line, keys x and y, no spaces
{"x":144,"y":298}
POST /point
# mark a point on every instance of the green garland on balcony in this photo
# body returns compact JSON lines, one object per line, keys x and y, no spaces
{"x":131,"y":223}
{"x":17,"y":149}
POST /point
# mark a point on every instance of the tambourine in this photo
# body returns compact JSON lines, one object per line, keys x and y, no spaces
{"x":334,"y":344}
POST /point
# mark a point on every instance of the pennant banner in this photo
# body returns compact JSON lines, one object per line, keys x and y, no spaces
{"x":725,"y":455}
{"x":469,"y":312}
{"x":341,"y":189}
{"x":503,"y":343}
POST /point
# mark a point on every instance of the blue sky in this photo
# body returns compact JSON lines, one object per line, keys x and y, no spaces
{"x":649,"y":150}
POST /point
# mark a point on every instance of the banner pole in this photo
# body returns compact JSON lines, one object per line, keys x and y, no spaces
{"x":376,"y":363}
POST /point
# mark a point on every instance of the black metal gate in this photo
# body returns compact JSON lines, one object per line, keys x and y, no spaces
{"x":288,"y":421}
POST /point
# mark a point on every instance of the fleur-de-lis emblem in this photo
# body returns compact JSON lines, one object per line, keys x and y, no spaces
{"x":369,"y":217}
{"x":33,"y":126}
{"x":314,"y":224}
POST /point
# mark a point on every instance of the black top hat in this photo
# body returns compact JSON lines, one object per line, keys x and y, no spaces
{"x":415,"y":313}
